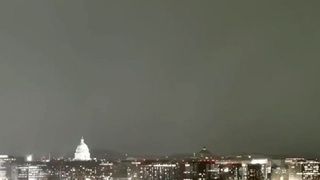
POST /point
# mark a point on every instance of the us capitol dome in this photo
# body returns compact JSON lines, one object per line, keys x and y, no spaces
{"x":82,"y":152}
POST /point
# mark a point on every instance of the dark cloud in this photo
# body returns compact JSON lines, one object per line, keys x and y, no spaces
{"x":159,"y":77}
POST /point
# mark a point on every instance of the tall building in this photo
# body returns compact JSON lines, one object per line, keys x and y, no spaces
{"x":82,"y":152}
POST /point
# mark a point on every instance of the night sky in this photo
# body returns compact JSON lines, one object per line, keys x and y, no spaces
{"x":160,"y":77}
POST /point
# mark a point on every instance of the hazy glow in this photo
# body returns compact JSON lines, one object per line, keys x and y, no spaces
{"x":29,"y":158}
{"x":259,"y":161}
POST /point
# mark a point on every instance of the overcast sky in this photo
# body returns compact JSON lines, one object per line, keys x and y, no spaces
{"x":159,"y":77}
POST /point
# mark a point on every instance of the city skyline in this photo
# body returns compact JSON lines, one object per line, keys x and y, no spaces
{"x":82,"y":152}
{"x":160,"y":77}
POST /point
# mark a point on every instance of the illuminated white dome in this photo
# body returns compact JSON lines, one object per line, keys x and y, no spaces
{"x":82,"y":152}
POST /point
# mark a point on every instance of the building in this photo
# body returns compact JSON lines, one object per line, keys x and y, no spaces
{"x":82,"y":152}
{"x":8,"y":167}
{"x":300,"y":168}
{"x":200,"y":169}
{"x":32,"y":170}
{"x":61,"y":169}
{"x":279,"y":169}
{"x":246,"y":167}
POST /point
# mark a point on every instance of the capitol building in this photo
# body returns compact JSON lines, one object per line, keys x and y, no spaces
{"x":82,"y":152}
